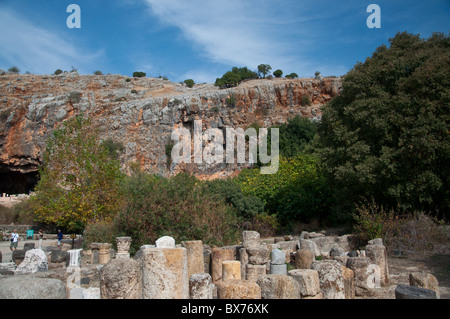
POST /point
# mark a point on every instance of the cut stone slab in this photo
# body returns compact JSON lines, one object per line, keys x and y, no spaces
{"x":31,"y":287}
{"x":238,"y":289}
{"x":279,"y":287}
{"x":308,"y":280}
{"x":408,"y":292}
{"x":250,"y":239}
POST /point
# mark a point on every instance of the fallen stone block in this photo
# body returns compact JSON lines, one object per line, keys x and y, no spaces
{"x":330,"y":278}
{"x":308,"y":281}
{"x":238,"y":289}
{"x":200,"y":286}
{"x":278,"y":287}
{"x":409,"y":292}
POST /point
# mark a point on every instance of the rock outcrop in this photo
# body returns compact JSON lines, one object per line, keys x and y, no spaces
{"x":141,"y":113}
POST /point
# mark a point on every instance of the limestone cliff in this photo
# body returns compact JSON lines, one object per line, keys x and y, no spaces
{"x":142,"y":112}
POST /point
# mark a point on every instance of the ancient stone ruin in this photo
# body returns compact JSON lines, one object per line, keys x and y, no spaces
{"x":310,"y":266}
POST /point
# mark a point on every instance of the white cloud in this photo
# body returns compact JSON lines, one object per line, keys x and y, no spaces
{"x":247,"y":33}
{"x":38,"y":50}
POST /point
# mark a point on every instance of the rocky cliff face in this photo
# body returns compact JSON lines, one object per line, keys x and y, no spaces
{"x":141,"y":113}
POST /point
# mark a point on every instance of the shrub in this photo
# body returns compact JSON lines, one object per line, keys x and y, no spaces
{"x":297,"y":191}
{"x":14,"y":69}
{"x":189,"y":83}
{"x":138,"y":74}
{"x":134,"y":91}
{"x":231,"y":101}
{"x":127,"y":80}
{"x":98,"y":72}
{"x":58,"y":71}
{"x":306,"y":101}
{"x":292,"y":76}
{"x":235,"y":76}
{"x":295,"y":135}
{"x":414,"y":233}
{"x":179,"y":207}
{"x":278,"y":73}
{"x":100,"y":232}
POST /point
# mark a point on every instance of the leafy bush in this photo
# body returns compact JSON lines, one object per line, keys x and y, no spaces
{"x":413,"y":233}
{"x":298,"y":191}
{"x":306,"y":101}
{"x":127,"y":80}
{"x":138,"y":74}
{"x":134,"y":91}
{"x":98,"y":72}
{"x":231,"y":101}
{"x":295,"y":135}
{"x":179,"y":207}
{"x":247,"y":206}
{"x":14,"y":69}
{"x":235,"y":76}
{"x":189,"y":83}
{"x":58,"y":71}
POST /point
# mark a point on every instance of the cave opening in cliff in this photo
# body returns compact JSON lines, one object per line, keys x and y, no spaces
{"x":12,"y":182}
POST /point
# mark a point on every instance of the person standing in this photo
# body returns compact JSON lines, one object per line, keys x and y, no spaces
{"x":14,"y":240}
{"x":60,"y":236}
{"x":41,"y":237}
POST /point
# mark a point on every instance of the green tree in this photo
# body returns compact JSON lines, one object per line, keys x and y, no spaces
{"x":235,"y":76}
{"x":264,"y":69}
{"x":98,"y":72}
{"x":292,"y":76}
{"x":189,"y":83}
{"x":79,"y":179}
{"x":14,"y":69}
{"x":386,"y":136}
{"x":295,"y":135}
{"x":278,"y":73}
{"x":138,"y":74}
{"x":58,"y":72}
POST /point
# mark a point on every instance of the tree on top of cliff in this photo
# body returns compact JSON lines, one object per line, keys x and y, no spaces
{"x":264,"y":69}
{"x":79,"y":179}
{"x":235,"y":76}
{"x":386,"y":136}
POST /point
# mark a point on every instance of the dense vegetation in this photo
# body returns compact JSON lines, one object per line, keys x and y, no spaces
{"x":384,"y":141}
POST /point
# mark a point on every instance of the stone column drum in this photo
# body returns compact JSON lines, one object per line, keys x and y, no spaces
{"x":123,"y":246}
{"x":165,"y":273}
{"x":104,"y":254}
{"x":195,"y":259}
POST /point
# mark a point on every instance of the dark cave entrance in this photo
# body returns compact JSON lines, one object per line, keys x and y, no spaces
{"x":12,"y":182}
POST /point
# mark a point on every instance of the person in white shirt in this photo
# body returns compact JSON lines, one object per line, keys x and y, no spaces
{"x":14,"y":240}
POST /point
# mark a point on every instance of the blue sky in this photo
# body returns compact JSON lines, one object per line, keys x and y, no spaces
{"x":202,"y":39}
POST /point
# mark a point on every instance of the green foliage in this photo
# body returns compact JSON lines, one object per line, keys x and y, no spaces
{"x":317,"y":75}
{"x":387,"y":135}
{"x":292,"y":76}
{"x":127,"y":80}
{"x":138,"y":74}
{"x":278,"y":73}
{"x":264,"y":69}
{"x":134,"y":91}
{"x":14,"y":69}
{"x":168,"y":149}
{"x":231,"y":101}
{"x":298,"y":191}
{"x":295,"y":135}
{"x":235,"y":76}
{"x":58,"y":72}
{"x":79,"y":180}
{"x":189,"y":83}
{"x":179,"y":206}
{"x":306,"y":101}
{"x":246,"y":206}
{"x":113,"y":148}
{"x":98,"y":72}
